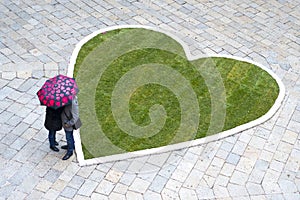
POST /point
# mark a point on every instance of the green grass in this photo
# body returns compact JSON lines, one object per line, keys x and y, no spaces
{"x":147,"y":96}
{"x":250,"y":93}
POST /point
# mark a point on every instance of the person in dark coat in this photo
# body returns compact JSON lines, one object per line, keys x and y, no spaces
{"x":53,"y":123}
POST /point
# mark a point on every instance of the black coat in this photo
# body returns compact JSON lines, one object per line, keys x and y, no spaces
{"x":53,"y":119}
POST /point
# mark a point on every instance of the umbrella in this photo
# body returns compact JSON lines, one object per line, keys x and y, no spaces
{"x":58,"y":91}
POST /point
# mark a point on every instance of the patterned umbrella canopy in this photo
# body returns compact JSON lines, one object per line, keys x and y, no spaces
{"x":58,"y":91}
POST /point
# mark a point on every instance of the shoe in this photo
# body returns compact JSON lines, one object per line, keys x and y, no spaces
{"x":67,"y":156}
{"x":64,"y":147}
{"x":54,"y":148}
{"x":56,"y":143}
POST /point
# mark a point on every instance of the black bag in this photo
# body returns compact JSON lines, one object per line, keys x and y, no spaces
{"x":77,"y":124}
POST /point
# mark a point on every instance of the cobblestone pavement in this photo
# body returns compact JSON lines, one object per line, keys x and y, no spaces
{"x":37,"y":39}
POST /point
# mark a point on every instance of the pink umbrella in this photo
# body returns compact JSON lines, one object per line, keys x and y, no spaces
{"x":58,"y":91}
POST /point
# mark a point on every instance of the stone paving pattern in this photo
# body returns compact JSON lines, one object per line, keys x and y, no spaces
{"x":37,"y":38}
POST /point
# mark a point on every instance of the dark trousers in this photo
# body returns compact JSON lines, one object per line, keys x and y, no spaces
{"x":70,"y":141}
{"x":51,"y":137}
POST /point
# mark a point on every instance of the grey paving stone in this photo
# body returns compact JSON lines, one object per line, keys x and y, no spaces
{"x":104,"y":197}
{"x":52,"y":175}
{"x":294,"y":126}
{"x":139,"y":185}
{"x":29,"y":133}
{"x":237,"y":190}
{"x":113,"y":176}
{"x":32,"y":117}
{"x":6,"y":51}
{"x":133,"y":195}
{"x":105,"y":187}
{"x":69,"y":192}
{"x":25,"y":44}
{"x":23,"y":112}
{"x":6,"y":103}
{"x":148,"y":172}
{"x":13,"y":108}
{"x":28,"y":184}
{"x":43,"y":185}
{"x":27,"y":85}
{"x":287,"y":186}
{"x":3,"y":82}
{"x":14,"y":95}
{"x":185,"y":193}
{"x":261,"y":165}
{"x":38,"y":74}
{"x":4,"y":60}
{"x":239,"y":178}
{"x":42,"y":169}
{"x":6,"y":191}
{"x":20,"y":128}
{"x":27,"y":151}
{"x":173,"y":185}
{"x":202,"y":192}
{"x":3,"y":148}
{"x":35,"y":195}
{"x":291,"y":196}
{"x":70,"y":170}
{"x":120,"y":188}
{"x":97,"y":176}
{"x":5,"y":91}
{"x":18,"y":143}
{"x":127,"y":178}
{"x":9,"y":139}
{"x":167,"y":170}
{"x":51,"y":194}
{"x":37,"y":156}
{"x":86,"y":172}
{"x":44,"y":58}
{"x":262,"y":132}
{"x":158,"y":184}
{"x":15,"y":83}
{"x":22,"y":173}
{"x":16,"y":59}
{"x":17,"y":195}
{"x":239,"y":148}
{"x":14,"y":120}
{"x":76,"y":182}
{"x":9,"y":168}
{"x":233,"y":158}
{"x":257,"y":142}
{"x":38,"y":124}
{"x":179,"y":175}
{"x":26,"y":98}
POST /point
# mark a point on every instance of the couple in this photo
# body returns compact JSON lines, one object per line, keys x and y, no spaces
{"x":65,"y":117}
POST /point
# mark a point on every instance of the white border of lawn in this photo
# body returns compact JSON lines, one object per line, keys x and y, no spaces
{"x":265,"y":117}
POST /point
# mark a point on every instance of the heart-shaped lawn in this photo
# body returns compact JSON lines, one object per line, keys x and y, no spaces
{"x":141,"y":90}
